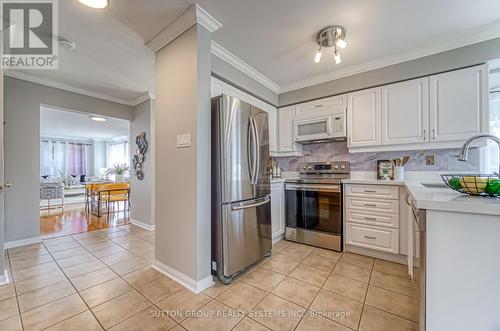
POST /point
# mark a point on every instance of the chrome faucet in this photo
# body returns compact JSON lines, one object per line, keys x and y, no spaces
{"x":465,"y":147}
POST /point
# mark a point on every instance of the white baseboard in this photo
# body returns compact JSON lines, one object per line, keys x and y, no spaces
{"x":184,"y":280}
{"x":22,"y":242}
{"x":396,"y":258}
{"x":4,"y":279}
{"x":149,"y":227}
{"x":278,"y":237}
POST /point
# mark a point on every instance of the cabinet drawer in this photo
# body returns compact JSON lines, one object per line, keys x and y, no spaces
{"x":389,"y":220}
{"x":373,"y":205}
{"x":373,"y":191}
{"x":373,"y":237}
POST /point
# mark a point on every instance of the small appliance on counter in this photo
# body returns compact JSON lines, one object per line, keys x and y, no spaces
{"x":314,"y":205}
{"x":241,"y":208}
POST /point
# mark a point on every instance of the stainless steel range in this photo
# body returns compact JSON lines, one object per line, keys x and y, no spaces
{"x":314,"y":204}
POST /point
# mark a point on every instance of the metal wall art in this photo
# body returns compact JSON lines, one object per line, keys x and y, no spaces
{"x":142,"y":146}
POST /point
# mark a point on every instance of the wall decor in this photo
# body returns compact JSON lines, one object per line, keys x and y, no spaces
{"x":138,"y":159}
{"x":385,"y":169}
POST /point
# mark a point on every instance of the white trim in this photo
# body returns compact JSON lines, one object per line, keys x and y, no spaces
{"x":242,"y":66}
{"x":190,"y":17}
{"x":186,"y":281}
{"x":73,"y":89}
{"x":22,"y":242}
{"x":141,"y":98}
{"x":396,"y":258}
{"x":145,"y":226}
{"x":278,"y":237}
{"x":4,"y":279}
{"x":491,"y":32}
{"x":206,"y":20}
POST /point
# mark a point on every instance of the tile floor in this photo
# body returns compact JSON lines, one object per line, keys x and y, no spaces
{"x":103,"y":280}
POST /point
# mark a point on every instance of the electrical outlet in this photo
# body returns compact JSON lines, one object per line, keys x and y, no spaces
{"x":429,"y":160}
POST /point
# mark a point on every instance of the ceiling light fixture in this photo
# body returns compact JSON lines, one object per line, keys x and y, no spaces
{"x":331,"y":36}
{"x":97,"y":4}
{"x":98,"y":119}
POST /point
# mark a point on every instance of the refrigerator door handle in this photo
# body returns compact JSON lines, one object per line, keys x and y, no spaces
{"x":252,"y":205}
{"x":250,"y":157}
{"x":257,"y":151}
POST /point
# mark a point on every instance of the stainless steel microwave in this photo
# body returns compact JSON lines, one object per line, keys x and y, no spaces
{"x":320,"y":128}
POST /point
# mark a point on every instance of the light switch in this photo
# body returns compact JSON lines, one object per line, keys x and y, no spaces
{"x":184,"y":140}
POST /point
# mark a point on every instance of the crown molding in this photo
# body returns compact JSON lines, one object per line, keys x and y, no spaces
{"x":77,"y":90}
{"x":242,"y":66}
{"x":190,"y":17}
{"x":141,"y":98}
{"x":491,"y":32}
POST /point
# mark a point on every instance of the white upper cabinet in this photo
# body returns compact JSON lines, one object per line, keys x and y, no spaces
{"x":459,"y":104}
{"x":273,"y":127}
{"x":405,"y":109}
{"x":215,"y":88}
{"x":336,"y":104}
{"x":364,"y":118}
{"x":286,"y":139}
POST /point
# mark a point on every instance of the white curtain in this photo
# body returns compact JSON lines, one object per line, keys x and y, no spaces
{"x":58,"y":158}
{"x":118,"y":153}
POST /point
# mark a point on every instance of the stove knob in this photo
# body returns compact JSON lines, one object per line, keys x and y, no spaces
{"x":304,"y":167}
{"x":309,"y":168}
{"x":342,"y":167}
{"x":336,"y":167}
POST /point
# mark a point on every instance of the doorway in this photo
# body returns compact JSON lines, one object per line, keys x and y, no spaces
{"x":84,"y":172}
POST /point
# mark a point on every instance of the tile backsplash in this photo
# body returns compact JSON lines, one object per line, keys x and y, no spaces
{"x":444,"y":159}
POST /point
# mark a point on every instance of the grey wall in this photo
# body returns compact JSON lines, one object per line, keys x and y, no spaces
{"x":453,"y":59}
{"x":140,"y":194}
{"x":182,"y":176}
{"x":233,"y":76}
{"x":22,"y":101}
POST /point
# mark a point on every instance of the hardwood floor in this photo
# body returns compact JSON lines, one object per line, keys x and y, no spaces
{"x":73,"y":220}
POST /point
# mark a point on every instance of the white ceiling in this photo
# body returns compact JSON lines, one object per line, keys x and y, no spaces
{"x":275,"y":37}
{"x":55,"y":122}
{"x":110,"y":58}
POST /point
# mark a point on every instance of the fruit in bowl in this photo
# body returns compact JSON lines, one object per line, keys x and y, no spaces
{"x":473,"y":184}
{"x":493,"y":186}
{"x":454,"y":183}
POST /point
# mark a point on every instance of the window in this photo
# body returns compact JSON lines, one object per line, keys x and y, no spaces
{"x":118,"y":153}
{"x":60,"y":158}
{"x":491,"y":153}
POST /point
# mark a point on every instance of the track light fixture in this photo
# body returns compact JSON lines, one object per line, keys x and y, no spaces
{"x":331,"y":36}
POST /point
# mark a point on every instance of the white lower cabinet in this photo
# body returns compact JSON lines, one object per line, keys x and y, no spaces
{"x":277,"y":210}
{"x":374,"y":237}
{"x":372,"y":217}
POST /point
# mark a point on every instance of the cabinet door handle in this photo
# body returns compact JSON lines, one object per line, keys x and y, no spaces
{"x":433,"y":134}
{"x":370,"y":218}
{"x":424,"y":135}
{"x":370,"y":191}
{"x":369,"y":237}
{"x":370,"y":205}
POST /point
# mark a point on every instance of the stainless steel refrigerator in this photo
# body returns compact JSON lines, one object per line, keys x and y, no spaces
{"x":241,"y":203}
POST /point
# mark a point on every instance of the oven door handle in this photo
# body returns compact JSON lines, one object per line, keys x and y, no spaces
{"x":293,"y":187}
{"x":322,"y":188}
